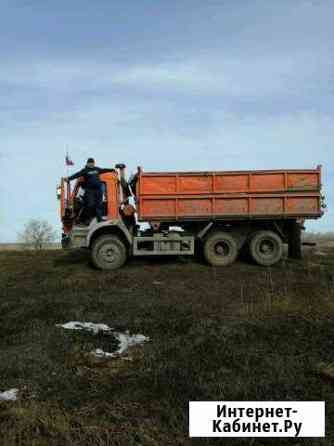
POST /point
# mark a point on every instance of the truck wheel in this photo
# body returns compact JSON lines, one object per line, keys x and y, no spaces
{"x":220,"y":249}
{"x":266,"y":248}
{"x":108,"y":252}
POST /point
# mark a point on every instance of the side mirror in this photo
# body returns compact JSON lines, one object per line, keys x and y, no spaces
{"x":120,"y":166}
{"x":58,"y":192}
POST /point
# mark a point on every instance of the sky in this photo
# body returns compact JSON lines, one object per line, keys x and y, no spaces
{"x":169,"y":85}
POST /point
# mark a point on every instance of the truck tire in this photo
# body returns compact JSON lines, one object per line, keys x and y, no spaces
{"x":108,"y":252}
{"x":266,"y":248}
{"x":220,"y":249}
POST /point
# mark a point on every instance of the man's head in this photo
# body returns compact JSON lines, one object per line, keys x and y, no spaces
{"x":90,"y":162}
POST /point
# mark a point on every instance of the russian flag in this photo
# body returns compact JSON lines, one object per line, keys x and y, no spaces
{"x":68,"y":161}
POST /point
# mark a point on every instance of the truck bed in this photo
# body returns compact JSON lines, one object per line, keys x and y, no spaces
{"x":174,"y":196}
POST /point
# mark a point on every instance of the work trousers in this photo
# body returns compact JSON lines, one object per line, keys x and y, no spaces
{"x":94,"y":202}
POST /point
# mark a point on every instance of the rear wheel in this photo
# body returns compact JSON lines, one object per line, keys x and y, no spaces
{"x":220,"y":249}
{"x":108,"y":252}
{"x":266,"y":248}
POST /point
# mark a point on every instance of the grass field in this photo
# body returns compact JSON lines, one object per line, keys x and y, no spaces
{"x":237,"y":333}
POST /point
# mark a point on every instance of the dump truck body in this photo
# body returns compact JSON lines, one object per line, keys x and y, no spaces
{"x":229,"y":195}
{"x":218,"y":213}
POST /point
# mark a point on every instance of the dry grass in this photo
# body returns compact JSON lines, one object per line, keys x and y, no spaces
{"x":238,"y":333}
{"x":321,"y":237}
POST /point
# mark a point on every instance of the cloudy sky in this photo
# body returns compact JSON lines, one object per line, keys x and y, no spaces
{"x":166,"y":84}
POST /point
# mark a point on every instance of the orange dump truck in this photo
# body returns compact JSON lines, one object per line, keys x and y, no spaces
{"x":216,"y":213}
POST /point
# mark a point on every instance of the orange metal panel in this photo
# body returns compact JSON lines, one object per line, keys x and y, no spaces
{"x":157,"y":185}
{"x":195,"y":207}
{"x":268,"y":205}
{"x":153,"y":207}
{"x":228,"y":182}
{"x":231,"y":206}
{"x":218,"y":207}
{"x":63,"y":197}
{"x":267,"y":182}
{"x":302,"y":205}
{"x":303,"y":181}
{"x":195,"y":184}
{"x":259,"y":194}
{"x":113,"y":194}
{"x":231,"y":183}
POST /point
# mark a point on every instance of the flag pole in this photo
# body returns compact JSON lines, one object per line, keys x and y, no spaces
{"x":67,"y":166}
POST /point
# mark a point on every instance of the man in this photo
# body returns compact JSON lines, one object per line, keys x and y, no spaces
{"x":93,"y":187}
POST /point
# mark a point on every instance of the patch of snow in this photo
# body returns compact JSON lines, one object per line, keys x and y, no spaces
{"x":9,"y":395}
{"x":99,"y":353}
{"x":156,"y":282}
{"x":90,"y":326}
{"x":125,"y":340}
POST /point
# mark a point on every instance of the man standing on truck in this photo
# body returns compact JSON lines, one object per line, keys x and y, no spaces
{"x":93,"y":188}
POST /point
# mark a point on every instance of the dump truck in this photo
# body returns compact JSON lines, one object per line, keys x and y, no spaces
{"x":216,"y":214}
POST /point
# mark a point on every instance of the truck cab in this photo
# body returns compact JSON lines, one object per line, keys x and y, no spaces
{"x":119,"y":215}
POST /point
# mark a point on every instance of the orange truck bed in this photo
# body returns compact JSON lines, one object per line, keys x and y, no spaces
{"x":175,"y":196}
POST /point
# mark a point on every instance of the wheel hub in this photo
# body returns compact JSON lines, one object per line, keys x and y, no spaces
{"x":222,"y":249}
{"x":267,"y":247}
{"x":108,"y":253}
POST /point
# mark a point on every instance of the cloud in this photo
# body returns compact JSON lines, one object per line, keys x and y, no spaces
{"x":257,"y":77}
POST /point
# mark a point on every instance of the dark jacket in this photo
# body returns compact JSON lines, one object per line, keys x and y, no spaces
{"x":91,"y":176}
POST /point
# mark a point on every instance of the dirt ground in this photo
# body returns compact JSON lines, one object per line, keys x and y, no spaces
{"x":238,"y":333}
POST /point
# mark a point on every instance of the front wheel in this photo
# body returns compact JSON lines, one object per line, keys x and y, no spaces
{"x":266,"y":248}
{"x":108,"y":252}
{"x":220,"y":249}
